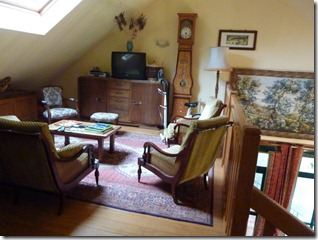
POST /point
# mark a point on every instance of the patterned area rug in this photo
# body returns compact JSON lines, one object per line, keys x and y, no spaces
{"x":119,"y":187}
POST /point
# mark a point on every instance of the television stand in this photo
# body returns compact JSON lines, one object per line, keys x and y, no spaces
{"x":135,"y":101}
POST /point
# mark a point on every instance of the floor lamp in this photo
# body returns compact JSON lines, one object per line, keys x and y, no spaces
{"x":218,"y":62}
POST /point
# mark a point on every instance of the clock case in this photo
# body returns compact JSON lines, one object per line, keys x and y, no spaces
{"x":182,"y":93}
{"x":186,"y":20}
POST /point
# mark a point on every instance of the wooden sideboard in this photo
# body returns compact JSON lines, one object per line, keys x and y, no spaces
{"x":20,"y":103}
{"x":135,"y":101}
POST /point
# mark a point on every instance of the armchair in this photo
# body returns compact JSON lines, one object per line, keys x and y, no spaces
{"x":194,"y":157}
{"x":178,"y":126}
{"x":55,"y":105}
{"x":29,"y":159}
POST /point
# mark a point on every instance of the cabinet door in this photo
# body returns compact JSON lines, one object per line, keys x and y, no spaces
{"x":145,"y":103}
{"x":7,"y":106}
{"x":25,"y":108}
{"x":92,"y":96}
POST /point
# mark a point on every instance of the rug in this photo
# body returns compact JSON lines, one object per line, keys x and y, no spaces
{"x":119,"y":187}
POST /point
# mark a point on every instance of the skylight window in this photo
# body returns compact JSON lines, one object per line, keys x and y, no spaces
{"x":34,"y":16}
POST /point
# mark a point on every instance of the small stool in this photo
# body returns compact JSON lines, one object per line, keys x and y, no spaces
{"x":105,"y":117}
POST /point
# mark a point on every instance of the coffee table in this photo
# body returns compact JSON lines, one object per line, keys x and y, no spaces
{"x":72,"y":128}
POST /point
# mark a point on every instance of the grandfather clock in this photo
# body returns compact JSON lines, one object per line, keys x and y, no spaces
{"x":182,"y":81}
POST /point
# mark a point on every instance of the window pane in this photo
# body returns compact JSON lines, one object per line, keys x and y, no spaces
{"x":307,"y":165}
{"x":262,"y":159}
{"x":303,"y":200}
{"x":258,"y":180}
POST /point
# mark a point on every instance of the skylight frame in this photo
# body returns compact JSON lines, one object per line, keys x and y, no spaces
{"x":24,"y":20}
{"x":24,"y":5}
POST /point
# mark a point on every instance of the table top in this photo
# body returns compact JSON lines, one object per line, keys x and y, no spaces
{"x":75,"y":128}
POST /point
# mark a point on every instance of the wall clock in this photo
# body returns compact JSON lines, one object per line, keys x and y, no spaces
{"x":182,"y":81}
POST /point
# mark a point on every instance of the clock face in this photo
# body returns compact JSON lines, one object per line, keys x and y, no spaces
{"x":186,"y":33}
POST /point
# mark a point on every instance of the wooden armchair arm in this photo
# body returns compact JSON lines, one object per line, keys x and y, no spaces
{"x":174,"y":118}
{"x":47,"y":108}
{"x":150,"y":145}
{"x":73,"y":101}
{"x":176,"y":128}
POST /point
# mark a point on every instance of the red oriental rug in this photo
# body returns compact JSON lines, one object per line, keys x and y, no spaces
{"x":119,"y":188}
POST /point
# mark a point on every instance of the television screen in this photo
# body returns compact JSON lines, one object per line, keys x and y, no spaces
{"x":129,"y":65}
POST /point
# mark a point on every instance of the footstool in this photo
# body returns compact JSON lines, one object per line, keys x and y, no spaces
{"x":105,"y":117}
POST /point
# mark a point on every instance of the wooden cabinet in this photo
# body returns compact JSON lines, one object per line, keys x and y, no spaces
{"x":135,"y":101}
{"x":92,"y":94}
{"x":20,"y":103}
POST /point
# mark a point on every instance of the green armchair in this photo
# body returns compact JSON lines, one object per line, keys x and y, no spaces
{"x":179,"y":124}
{"x":29,"y":159}
{"x":194,"y":157}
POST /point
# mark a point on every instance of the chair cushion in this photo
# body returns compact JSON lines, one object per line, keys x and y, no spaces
{"x":165,"y":163}
{"x":10,"y":117}
{"x":202,"y":124}
{"x":170,"y":130}
{"x":210,"y":108}
{"x":69,"y":150}
{"x":67,"y":171}
{"x":104,"y":117}
{"x":60,"y":113}
{"x":53,"y":96}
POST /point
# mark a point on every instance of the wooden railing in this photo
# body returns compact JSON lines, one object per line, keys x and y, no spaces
{"x":277,"y":217}
{"x":239,"y":161}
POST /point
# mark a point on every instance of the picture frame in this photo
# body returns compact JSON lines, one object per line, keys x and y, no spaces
{"x":238,"y":39}
{"x":280,"y":103}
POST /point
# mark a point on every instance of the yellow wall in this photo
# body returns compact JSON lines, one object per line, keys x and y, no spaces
{"x":285,"y":39}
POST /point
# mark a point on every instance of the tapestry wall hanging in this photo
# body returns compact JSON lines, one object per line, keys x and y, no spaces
{"x":280,"y":103}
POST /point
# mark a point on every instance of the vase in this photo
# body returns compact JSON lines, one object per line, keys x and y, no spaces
{"x":129,"y":45}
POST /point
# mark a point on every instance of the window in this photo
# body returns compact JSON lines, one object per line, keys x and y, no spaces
{"x":34,"y":16}
{"x":302,"y":203}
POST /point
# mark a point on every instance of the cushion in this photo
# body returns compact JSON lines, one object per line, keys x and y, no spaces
{"x":210,"y":108}
{"x":61,"y":112}
{"x":10,"y":117}
{"x":53,"y":96}
{"x":67,"y":171}
{"x":104,"y":117}
{"x":165,"y":163}
{"x":69,"y":150}
{"x":203,"y":124}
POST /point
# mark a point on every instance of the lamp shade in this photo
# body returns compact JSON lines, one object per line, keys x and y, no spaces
{"x":218,"y":61}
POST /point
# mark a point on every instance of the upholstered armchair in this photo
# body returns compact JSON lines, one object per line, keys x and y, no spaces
{"x":29,"y":159}
{"x":194,"y":157}
{"x":179,"y":124}
{"x":56,"y":106}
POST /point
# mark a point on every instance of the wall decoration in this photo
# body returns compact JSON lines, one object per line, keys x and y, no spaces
{"x":238,"y":39}
{"x":280,"y":103}
{"x":131,"y":26}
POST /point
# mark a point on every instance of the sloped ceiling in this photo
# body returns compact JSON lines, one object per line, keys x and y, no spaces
{"x":34,"y":60}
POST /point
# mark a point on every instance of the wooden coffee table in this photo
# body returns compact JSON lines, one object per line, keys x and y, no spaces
{"x":55,"y":129}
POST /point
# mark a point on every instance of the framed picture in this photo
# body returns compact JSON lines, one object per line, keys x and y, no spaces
{"x":238,"y":39}
{"x":280,"y":103}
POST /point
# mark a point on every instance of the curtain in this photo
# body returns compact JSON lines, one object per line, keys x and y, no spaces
{"x":281,"y":178}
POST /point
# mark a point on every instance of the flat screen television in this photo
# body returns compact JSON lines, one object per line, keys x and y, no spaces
{"x":129,"y":65}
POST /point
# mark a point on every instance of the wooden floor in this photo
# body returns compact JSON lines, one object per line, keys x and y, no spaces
{"x":36,"y":215}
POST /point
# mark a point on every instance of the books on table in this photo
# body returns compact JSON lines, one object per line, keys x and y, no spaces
{"x":100,"y":128}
